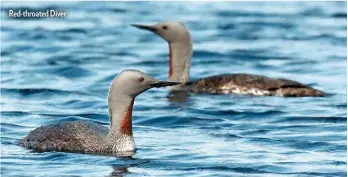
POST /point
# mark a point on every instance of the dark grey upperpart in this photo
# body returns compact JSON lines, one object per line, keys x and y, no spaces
{"x":240,"y":83}
{"x":76,"y":136}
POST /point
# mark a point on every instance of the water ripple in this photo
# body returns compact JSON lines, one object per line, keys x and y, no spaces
{"x":59,"y":69}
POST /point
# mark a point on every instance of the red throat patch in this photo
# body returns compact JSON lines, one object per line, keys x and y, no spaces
{"x":170,"y":61}
{"x":126,"y":124}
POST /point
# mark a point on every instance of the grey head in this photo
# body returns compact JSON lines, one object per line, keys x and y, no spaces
{"x":180,"y":48}
{"x":171,"y":31}
{"x":133,"y":82}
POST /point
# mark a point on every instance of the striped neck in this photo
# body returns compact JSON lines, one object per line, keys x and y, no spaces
{"x":121,"y":117}
{"x":126,"y":124}
{"x":180,"y":61}
{"x":120,"y":136}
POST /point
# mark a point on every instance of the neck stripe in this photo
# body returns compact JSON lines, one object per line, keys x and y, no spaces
{"x":170,"y":61}
{"x":126,"y":124}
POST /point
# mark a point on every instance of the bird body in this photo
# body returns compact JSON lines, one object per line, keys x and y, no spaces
{"x":180,"y":53}
{"x":240,"y":83}
{"x":90,"y":137}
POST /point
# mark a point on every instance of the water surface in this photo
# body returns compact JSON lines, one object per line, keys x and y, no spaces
{"x":59,"y":69}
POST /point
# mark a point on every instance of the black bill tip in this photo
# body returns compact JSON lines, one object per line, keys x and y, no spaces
{"x":164,"y":84}
{"x":144,"y":27}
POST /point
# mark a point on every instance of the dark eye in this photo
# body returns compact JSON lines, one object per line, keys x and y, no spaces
{"x":165,"y":27}
{"x":141,"y":79}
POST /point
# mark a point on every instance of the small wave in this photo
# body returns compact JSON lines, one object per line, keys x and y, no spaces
{"x":316,"y":119}
{"x":14,"y":113}
{"x":117,"y":10}
{"x":206,"y":54}
{"x":10,"y":126}
{"x":73,"y":31}
{"x":228,"y":136}
{"x":176,"y":122}
{"x":251,"y":14}
{"x":32,"y":91}
{"x":339,"y":15}
{"x":244,"y":170}
{"x":74,"y":72}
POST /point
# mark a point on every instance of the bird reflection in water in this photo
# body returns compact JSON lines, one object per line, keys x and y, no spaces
{"x":119,"y":170}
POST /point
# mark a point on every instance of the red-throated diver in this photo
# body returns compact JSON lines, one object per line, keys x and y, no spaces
{"x":180,"y":52}
{"x":89,"y":137}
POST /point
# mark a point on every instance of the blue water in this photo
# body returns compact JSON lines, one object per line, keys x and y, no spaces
{"x":59,"y":69}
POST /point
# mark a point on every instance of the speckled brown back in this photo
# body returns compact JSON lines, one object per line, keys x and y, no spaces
{"x":252,"y":84}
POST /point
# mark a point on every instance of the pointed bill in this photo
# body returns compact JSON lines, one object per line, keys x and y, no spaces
{"x":164,"y":84}
{"x":144,"y":27}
